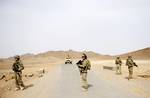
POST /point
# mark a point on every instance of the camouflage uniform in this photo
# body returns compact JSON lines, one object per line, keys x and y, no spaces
{"x":130,"y":63}
{"x":83,"y":68}
{"x":118,"y":63}
{"x":17,"y":68}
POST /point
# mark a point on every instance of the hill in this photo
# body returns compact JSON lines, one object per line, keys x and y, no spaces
{"x":139,"y":54}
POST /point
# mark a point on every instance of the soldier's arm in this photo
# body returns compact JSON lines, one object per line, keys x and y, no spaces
{"x":82,"y":66}
{"x":127,"y":62}
{"x":79,"y":62}
{"x":21,"y":67}
{"x":120,"y":62}
{"x":132,"y":62}
{"x":135,"y":64}
{"x":115,"y":61}
{"x":88,"y":65}
{"x":13,"y":68}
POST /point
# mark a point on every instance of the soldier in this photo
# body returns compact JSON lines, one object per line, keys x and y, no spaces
{"x":130,"y":63}
{"x":118,"y":63}
{"x":17,"y":68}
{"x":84,"y":65}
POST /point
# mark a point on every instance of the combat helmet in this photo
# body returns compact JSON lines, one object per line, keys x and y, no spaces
{"x":17,"y":57}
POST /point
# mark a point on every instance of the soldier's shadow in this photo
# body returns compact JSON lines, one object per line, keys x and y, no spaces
{"x":130,"y":78}
{"x":126,"y":78}
{"x":90,"y":85}
{"x":28,"y":86}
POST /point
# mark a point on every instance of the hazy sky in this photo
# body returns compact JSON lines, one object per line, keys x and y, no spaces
{"x":103,"y":26}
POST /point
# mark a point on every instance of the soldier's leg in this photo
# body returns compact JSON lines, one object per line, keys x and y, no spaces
{"x":20,"y":80}
{"x":120,"y":71}
{"x":117,"y":69}
{"x":84,"y":79}
{"x":130,"y":72}
{"x":16,"y":81}
{"x":81,"y":75}
{"x":80,"y":72}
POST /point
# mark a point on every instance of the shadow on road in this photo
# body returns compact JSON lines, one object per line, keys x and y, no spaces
{"x":90,"y":85}
{"x":28,"y":86}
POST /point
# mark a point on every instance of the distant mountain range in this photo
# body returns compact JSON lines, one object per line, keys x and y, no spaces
{"x":139,"y":54}
{"x":59,"y":56}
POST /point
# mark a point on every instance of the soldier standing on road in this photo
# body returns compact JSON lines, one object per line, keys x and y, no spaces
{"x":84,"y":65}
{"x":17,"y":68}
{"x":130,"y":63}
{"x":118,"y":63}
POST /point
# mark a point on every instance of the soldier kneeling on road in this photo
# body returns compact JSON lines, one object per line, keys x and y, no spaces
{"x":130,"y":63}
{"x":17,"y":67}
{"x":84,"y":65}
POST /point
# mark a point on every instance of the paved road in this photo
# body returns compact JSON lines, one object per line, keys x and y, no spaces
{"x":64,"y":82}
